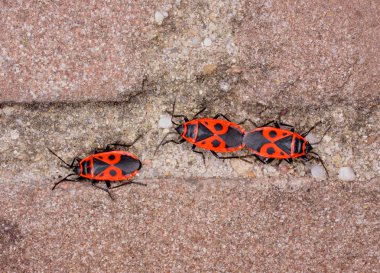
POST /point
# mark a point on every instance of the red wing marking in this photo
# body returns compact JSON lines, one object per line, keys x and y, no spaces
{"x":110,"y":158}
{"x":216,"y":126}
{"x":104,"y":166}
{"x":209,"y":134}
{"x":213,"y":143}
{"x":274,"y":134}
{"x":216,"y":144}
{"x":271,"y":150}
{"x":111,"y":173}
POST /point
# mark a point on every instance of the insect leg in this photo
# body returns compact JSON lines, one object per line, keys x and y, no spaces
{"x":176,"y":116}
{"x":247,"y":119}
{"x":123,"y":145}
{"x":317,"y":157}
{"x":128,"y":183}
{"x":322,"y":136}
{"x":163,"y":140}
{"x":75,"y":159}
{"x":103,"y":189}
{"x":311,"y":129}
{"x":229,"y":157}
{"x":65,"y":179}
{"x":275,"y":123}
{"x":199,"y":112}
{"x":221,"y":115}
{"x":198,"y":152}
{"x":263,"y":159}
{"x":289,"y":160}
{"x":182,"y":140}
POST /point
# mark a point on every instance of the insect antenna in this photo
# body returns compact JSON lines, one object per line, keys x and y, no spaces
{"x":179,"y":116}
{"x":172,"y":113}
{"x":64,"y":179}
{"x":320,"y":160}
{"x":162,"y":141}
{"x":311,"y":129}
{"x":328,"y":128}
{"x":68,"y":165}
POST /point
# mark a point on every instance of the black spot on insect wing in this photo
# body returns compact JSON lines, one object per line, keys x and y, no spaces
{"x":218,"y":126}
{"x":215,"y":143}
{"x":113,"y":172}
{"x":273,"y":134}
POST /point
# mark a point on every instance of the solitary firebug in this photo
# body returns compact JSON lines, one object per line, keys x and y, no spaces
{"x":107,"y":165}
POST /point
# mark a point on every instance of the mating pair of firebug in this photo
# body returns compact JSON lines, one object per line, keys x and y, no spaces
{"x":223,"y":136}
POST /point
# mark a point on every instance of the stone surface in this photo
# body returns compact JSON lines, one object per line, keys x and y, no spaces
{"x":297,"y":53}
{"x":77,"y":129}
{"x":73,"y":50}
{"x":288,"y":53}
{"x":221,"y":216}
{"x":309,"y":63}
{"x":190,"y":226}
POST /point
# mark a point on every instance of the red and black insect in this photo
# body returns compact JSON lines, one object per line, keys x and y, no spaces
{"x":213,"y":134}
{"x":106,"y":165}
{"x":269,"y":143}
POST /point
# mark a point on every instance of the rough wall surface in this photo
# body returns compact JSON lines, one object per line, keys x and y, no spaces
{"x":259,"y":51}
{"x":221,"y":216}
{"x":192,"y":226}
{"x":72,"y":79}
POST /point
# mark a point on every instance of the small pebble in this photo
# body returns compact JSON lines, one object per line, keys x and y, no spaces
{"x":346,"y":174}
{"x":231,"y":48}
{"x":270,"y":169}
{"x":208,"y":69}
{"x":327,"y":139}
{"x":7,"y":111}
{"x":14,"y":134}
{"x":284,"y":167}
{"x":165,"y":122}
{"x":234,"y":69}
{"x":251,"y":174}
{"x":240,"y":167}
{"x":147,"y":162}
{"x":159,"y":17}
{"x":225,"y":86}
{"x":207,"y":42}
{"x":318,"y":172}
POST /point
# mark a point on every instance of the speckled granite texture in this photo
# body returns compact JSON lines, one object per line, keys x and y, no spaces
{"x":71,"y":78}
{"x":192,"y":226}
{"x":260,"y":50}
